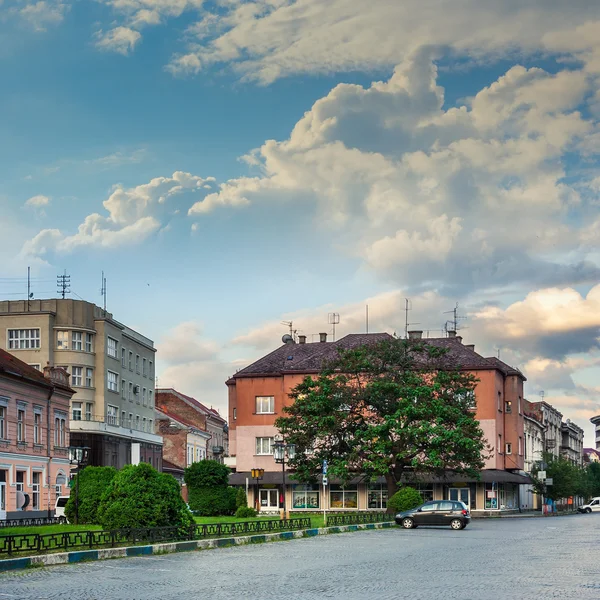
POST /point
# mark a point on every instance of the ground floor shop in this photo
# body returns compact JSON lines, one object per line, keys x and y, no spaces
{"x":494,"y":491}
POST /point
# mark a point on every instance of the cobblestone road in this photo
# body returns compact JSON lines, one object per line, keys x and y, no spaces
{"x":500,"y":559}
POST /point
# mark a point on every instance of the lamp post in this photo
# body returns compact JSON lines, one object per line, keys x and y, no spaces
{"x":257,"y":474}
{"x":78,"y":455}
{"x":281,"y":453}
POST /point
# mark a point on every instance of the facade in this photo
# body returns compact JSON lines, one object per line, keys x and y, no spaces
{"x":596,"y":421}
{"x":572,"y":442}
{"x":258,"y":394}
{"x":34,"y":438}
{"x":535,"y":434}
{"x":111,"y":368}
{"x":187,"y":407}
{"x":552,"y":421}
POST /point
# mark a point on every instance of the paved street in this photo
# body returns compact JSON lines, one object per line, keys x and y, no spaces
{"x":508,"y":558}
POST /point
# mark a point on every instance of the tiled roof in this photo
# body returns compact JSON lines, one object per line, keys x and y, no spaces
{"x":210,"y":411}
{"x":177,"y":418}
{"x":169,"y":466}
{"x":10,"y":365}
{"x":310,"y":358}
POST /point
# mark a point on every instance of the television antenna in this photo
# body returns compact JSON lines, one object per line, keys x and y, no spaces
{"x":103,"y":291}
{"x":63,"y":283}
{"x":455,"y":320}
{"x":290,"y":326}
{"x":407,"y":307}
{"x":333,"y":319}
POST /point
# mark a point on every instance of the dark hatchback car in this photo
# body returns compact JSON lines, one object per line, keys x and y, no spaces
{"x":436,"y":512}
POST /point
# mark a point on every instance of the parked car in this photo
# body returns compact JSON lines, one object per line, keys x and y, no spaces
{"x":592,"y":506}
{"x":436,"y":512}
{"x":59,"y":507}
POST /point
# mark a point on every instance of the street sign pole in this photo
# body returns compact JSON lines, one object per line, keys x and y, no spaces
{"x":324,"y":492}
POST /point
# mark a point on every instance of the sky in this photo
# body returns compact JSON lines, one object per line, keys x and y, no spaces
{"x":231,"y":165}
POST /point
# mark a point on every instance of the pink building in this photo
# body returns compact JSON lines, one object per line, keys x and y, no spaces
{"x":34,"y":438}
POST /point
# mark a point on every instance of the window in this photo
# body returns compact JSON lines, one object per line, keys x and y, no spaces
{"x":35,"y":490}
{"x":305,"y":496}
{"x":62,"y":340}
{"x":111,"y":347}
{"x":137,"y":422}
{"x":77,"y":340}
{"x":76,"y":376}
{"x":264,"y":445}
{"x":234,"y":414}
{"x":59,"y":431}
{"x":89,"y":377}
{"x":130,"y":421}
{"x":137,"y":364}
{"x":190,"y":454}
{"x":151,"y":369}
{"x":36,"y":367}
{"x":112,"y":415}
{"x":340,"y":497}
{"x":508,"y":406}
{"x":377,"y":496}
{"x":519,"y":404}
{"x":20,"y":425}
{"x":150,"y":394}
{"x":20,"y":481}
{"x":144,"y":367}
{"x":508,"y":448}
{"x":88,"y":411}
{"x":520,"y":446}
{"x":3,"y":434}
{"x":500,"y":401}
{"x":112,"y":380}
{"x":89,"y":342}
{"x":123,"y":389}
{"x":144,"y":396}
{"x":23,"y":339}
{"x":123,"y":418}
{"x":76,"y":411}
{"x":265,"y":405}
{"x":431,"y":506}
{"x":123,"y":363}
{"x":131,"y":361}
{"x":143,"y":423}
{"x":426,"y":491}
{"x":150,"y":426}
{"x":37,"y":428}
{"x":130,"y":391}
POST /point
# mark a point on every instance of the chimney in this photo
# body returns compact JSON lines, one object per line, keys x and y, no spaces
{"x":302,"y":339}
{"x":470,"y":347}
{"x":322,"y":337}
{"x":451,"y":333}
{"x":415,"y":335}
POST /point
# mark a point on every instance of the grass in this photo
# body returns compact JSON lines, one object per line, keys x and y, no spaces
{"x":46,"y":529}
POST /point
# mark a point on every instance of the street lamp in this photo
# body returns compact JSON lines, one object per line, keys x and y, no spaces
{"x":281,"y":452}
{"x":78,"y":455}
{"x":258,"y":475}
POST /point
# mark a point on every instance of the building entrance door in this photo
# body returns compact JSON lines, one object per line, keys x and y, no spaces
{"x":461,"y":495}
{"x":2,"y":500}
{"x":269,"y":499}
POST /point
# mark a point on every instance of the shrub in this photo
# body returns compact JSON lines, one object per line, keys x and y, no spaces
{"x":93,"y":482}
{"x":207,"y":473}
{"x":405,"y":499}
{"x":140,"y":496}
{"x":212,"y":501}
{"x":240,"y":498}
{"x":244,"y":512}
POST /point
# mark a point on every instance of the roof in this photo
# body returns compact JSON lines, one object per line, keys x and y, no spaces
{"x":310,"y":358}
{"x":169,"y":466}
{"x":177,"y":418}
{"x":11,"y":366}
{"x":197,"y":404}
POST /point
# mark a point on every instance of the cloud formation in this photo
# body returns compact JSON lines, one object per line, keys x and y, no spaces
{"x":37,"y":201}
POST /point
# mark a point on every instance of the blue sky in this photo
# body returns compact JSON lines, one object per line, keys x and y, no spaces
{"x":237,"y":163}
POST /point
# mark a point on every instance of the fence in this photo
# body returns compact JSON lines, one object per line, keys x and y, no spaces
{"x":358,"y":518}
{"x":33,"y":522}
{"x":35,"y":543}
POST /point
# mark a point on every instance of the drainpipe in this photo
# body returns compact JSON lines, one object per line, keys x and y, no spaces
{"x":48,"y":444}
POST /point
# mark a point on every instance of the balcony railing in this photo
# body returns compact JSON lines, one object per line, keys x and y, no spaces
{"x":114,"y":421}
{"x":217,"y":449}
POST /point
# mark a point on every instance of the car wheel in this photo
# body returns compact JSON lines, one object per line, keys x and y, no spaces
{"x":408,"y":523}
{"x":456,"y":524}
{"x":588,"y":510}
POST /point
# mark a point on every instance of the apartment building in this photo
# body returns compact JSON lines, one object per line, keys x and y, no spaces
{"x":259,"y":392}
{"x":34,"y":438}
{"x":552,"y":422}
{"x":596,"y":422}
{"x":572,"y":442}
{"x":111,"y":368}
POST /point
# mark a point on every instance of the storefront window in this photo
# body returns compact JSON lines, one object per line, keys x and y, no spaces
{"x":305,"y":496}
{"x":491,"y":496}
{"x":508,"y":496}
{"x":342,"y":498}
{"x":377,"y":496}
{"x":425,"y":489}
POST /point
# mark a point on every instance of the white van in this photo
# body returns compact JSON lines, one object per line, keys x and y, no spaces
{"x":592,"y":506}
{"x":59,"y":508}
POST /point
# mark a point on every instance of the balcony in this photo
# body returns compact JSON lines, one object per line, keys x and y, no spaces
{"x":217,"y":449}
{"x":112,"y":425}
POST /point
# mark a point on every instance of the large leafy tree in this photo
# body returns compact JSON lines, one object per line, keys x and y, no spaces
{"x":395,"y":408}
{"x":567,"y":479}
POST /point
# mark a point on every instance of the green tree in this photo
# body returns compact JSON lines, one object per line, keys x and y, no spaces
{"x":93,"y":482}
{"x":209,"y":493}
{"x":566,"y":478}
{"x":140,"y":496}
{"x":388,"y":409}
{"x":590,"y":481}
{"x":241,"y":499}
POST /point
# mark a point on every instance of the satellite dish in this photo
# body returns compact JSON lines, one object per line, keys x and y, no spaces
{"x":287,"y":339}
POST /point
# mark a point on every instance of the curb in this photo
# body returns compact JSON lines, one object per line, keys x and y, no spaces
{"x":63,"y":558}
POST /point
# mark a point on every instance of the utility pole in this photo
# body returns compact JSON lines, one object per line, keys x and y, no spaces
{"x":63,"y":283}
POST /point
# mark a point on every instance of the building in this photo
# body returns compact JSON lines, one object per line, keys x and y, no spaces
{"x":34,"y":438}
{"x":535,"y":434}
{"x":259,"y":392}
{"x":590,"y":455}
{"x":596,"y":421}
{"x":572,"y":442}
{"x":184,"y":434}
{"x":185,"y":406}
{"x":552,"y":421}
{"x":111,"y":368}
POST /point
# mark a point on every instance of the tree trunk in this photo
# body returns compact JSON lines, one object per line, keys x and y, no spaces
{"x":392,"y":488}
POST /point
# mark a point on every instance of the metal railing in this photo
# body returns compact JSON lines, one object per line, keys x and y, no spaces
{"x":32,"y":522}
{"x":358,"y":518}
{"x":35,"y":543}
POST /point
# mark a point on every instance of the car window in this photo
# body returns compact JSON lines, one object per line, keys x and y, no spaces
{"x":446,"y":506}
{"x":594,"y":503}
{"x":429,"y":506}
{"x":62,"y":501}
{"x":459,"y":506}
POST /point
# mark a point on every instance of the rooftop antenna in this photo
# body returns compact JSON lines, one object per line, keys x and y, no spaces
{"x":293,"y":331}
{"x":103,"y":291}
{"x":64,"y":284}
{"x":454,"y":321}
{"x":29,"y":293}
{"x":407,"y":307}
{"x":542,"y":394}
{"x":333,"y":319}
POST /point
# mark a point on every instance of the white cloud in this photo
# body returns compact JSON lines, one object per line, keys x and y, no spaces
{"x":184,"y":343}
{"x":133,"y":215}
{"x":122,"y":40}
{"x":42,"y":14}
{"x":37,"y":201}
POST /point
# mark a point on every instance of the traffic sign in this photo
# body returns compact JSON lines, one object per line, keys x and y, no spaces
{"x":541,"y":475}
{"x":549,"y":481}
{"x":324,"y":467}
{"x":325,"y":482}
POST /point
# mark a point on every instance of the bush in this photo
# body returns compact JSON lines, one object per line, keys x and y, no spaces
{"x":244,"y":512}
{"x":93,"y":482}
{"x":240,"y":498}
{"x":140,"y":496}
{"x":212,"y":501}
{"x":207,"y":473}
{"x":405,"y":499}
